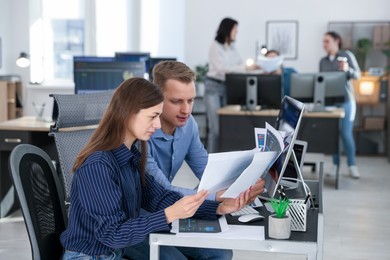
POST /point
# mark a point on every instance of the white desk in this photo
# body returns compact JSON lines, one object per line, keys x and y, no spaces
{"x":297,"y":244}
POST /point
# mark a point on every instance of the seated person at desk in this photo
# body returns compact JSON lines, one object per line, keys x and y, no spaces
{"x":285,"y":71}
{"x":178,"y":139}
{"x":110,"y":185}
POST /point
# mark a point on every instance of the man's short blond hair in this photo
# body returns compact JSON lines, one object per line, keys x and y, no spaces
{"x":165,"y":70}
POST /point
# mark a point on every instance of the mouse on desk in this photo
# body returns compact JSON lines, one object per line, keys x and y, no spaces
{"x":250,"y":218}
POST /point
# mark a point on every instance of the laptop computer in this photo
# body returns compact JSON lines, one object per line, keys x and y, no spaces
{"x":290,"y":175}
{"x":288,"y":120}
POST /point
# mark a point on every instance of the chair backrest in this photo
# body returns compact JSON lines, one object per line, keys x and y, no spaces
{"x":41,"y":199}
{"x":78,"y":117}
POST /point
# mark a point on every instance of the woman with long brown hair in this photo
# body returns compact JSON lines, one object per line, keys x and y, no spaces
{"x":110,"y":187}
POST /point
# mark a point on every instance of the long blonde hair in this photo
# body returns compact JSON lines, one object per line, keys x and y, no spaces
{"x":128,"y":99}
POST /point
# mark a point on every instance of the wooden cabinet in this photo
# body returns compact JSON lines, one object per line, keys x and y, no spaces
{"x":371,"y":123}
{"x":10,"y":95}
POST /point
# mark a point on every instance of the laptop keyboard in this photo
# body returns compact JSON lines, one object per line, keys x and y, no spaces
{"x":244,"y":211}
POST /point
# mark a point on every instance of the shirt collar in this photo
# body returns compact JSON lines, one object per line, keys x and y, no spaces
{"x":160,"y":134}
{"x":122,"y":154}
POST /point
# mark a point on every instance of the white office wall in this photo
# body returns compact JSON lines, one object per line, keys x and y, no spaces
{"x":186,"y":27}
{"x":203,"y":18}
{"x":5,"y":30}
{"x":163,"y":28}
{"x":13,"y":28}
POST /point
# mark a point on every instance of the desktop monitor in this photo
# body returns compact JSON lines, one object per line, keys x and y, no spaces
{"x":268,"y":93}
{"x":288,"y":120}
{"x":94,"y":76}
{"x":330,"y":88}
{"x":153,"y":61}
{"x":134,"y":57}
{"x":302,"y":87}
{"x":92,"y":59}
{"x":322,"y":89}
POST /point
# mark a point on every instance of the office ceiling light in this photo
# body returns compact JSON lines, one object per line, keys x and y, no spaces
{"x":23,"y":61}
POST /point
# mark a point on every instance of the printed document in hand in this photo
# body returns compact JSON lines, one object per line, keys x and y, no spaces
{"x":237,"y":171}
{"x":269,"y":64}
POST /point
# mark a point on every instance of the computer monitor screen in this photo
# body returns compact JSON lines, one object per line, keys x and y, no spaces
{"x":269,"y":89}
{"x":95,"y":76}
{"x":134,"y":57}
{"x":288,"y":120}
{"x":236,"y":89}
{"x":153,"y":61}
{"x":322,"y":89}
{"x":302,"y":87}
{"x":334,"y":86}
{"x":92,"y":59}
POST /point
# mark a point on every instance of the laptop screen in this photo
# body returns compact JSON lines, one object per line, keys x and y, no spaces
{"x":288,"y":120}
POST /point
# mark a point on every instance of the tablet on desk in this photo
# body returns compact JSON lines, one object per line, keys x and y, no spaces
{"x":199,"y":225}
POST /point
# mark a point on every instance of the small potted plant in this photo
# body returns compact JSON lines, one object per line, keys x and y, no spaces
{"x":201,"y":72}
{"x":279,"y":224}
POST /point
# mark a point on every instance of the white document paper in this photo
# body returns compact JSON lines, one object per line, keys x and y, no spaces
{"x":273,"y":140}
{"x":237,"y":171}
{"x":259,"y":166}
{"x":223,"y":169}
{"x":269,"y":64}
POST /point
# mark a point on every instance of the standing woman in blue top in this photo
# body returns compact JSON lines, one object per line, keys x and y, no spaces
{"x":343,"y":60}
{"x":223,"y":58}
{"x":110,"y":186}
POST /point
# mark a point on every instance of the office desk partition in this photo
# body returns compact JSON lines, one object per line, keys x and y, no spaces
{"x":26,"y":130}
{"x":309,"y":243}
{"x":319,"y":129}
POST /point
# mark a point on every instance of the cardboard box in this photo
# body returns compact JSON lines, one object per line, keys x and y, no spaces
{"x":374,"y":122}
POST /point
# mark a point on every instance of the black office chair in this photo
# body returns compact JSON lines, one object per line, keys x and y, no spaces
{"x":41,"y":199}
{"x":78,"y":117}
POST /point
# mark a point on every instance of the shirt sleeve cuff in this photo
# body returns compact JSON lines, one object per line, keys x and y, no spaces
{"x":212,"y":196}
{"x":207,"y":210}
{"x":159,"y":220}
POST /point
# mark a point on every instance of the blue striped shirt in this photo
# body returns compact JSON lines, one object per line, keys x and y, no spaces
{"x":106,"y":198}
{"x":167,"y":153}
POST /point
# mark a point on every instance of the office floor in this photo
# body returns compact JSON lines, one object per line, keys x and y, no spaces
{"x":356,"y":217}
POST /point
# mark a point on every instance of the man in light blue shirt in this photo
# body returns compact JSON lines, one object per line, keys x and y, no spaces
{"x":178,"y":139}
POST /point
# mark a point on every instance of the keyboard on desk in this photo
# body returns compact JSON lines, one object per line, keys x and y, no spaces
{"x":244,"y":211}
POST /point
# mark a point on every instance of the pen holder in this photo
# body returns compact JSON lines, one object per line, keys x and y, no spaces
{"x":298,"y":213}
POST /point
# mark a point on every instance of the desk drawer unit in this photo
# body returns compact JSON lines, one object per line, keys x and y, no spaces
{"x":10,"y":139}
